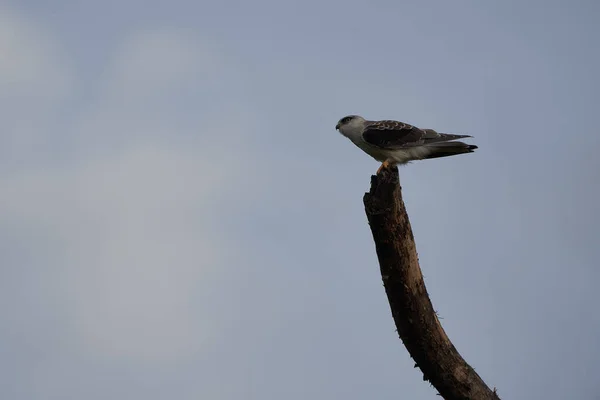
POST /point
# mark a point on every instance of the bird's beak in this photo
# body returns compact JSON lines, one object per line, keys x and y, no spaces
{"x":337,"y":127}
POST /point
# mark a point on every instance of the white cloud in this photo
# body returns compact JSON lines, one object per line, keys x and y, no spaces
{"x":137,"y":248}
{"x":162,"y":84}
{"x":137,"y":245}
{"x":154,"y":61}
{"x":32,"y":63}
{"x":35,"y":80}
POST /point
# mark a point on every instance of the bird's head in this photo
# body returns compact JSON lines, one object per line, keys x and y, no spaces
{"x":350,"y":124}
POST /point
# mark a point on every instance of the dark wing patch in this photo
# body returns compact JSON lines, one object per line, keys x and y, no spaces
{"x":392,"y":134}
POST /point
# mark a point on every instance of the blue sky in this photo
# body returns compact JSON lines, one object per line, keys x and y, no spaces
{"x":180,"y":219}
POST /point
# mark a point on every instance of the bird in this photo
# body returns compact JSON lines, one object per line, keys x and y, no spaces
{"x":397,"y":143}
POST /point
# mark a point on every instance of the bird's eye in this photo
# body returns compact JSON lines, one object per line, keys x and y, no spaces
{"x":346,"y":120}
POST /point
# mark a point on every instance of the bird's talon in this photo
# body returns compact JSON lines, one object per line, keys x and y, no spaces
{"x":384,"y":165}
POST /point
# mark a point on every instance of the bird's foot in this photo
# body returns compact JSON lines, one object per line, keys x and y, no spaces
{"x":384,"y":165}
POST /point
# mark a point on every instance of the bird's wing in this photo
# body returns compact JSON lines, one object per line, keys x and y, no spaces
{"x":392,"y":134}
{"x":389,"y":134}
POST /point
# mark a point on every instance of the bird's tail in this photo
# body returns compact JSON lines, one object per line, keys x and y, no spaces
{"x":445,"y":149}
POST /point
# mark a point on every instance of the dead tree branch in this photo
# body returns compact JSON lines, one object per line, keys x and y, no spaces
{"x":413,"y":313}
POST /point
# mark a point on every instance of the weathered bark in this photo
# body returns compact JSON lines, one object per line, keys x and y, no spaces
{"x":413,"y":313}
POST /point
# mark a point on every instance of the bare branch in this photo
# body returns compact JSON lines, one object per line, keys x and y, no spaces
{"x":413,"y":313}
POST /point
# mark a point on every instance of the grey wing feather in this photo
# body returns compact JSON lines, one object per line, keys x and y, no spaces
{"x":392,"y":134}
{"x":389,"y":134}
{"x":432,"y":136}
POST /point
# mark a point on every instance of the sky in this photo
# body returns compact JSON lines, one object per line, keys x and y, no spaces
{"x":180,"y":219}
